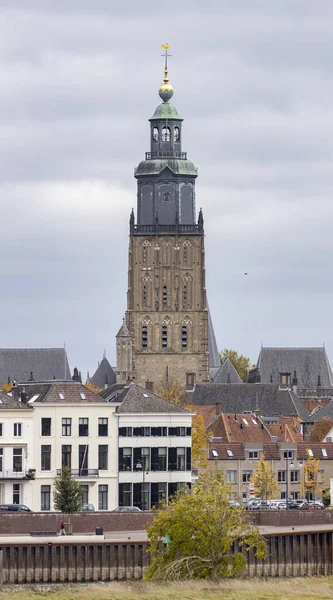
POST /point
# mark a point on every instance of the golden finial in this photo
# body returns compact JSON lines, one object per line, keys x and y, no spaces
{"x":166,"y":90}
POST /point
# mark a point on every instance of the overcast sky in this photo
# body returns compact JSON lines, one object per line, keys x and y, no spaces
{"x":254,"y":84}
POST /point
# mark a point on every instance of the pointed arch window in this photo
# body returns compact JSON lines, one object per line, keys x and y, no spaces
{"x":155,"y":134}
{"x":184,"y":295}
{"x":166,"y":134}
{"x":145,"y":248}
{"x":176,"y":134}
{"x":144,"y":335}
{"x":184,"y":337}
{"x":164,"y":296}
{"x":164,"y":337}
{"x":144,"y":295}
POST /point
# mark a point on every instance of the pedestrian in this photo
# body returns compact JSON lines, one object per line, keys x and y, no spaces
{"x":62,"y":528}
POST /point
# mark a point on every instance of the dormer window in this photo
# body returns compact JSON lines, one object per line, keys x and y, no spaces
{"x":166,"y":134}
{"x":176,"y":134}
{"x":155,"y":134}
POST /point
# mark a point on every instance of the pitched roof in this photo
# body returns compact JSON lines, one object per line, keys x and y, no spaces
{"x":113,"y":392}
{"x":208,"y":413}
{"x":8,"y":402}
{"x":67,"y":392}
{"x":227,"y":373}
{"x":237,"y":398}
{"x":123,"y":331}
{"x":214,"y":358}
{"x":237,"y":451}
{"x":138,"y":400}
{"x":239,"y":428}
{"x":17,"y":364}
{"x":287,"y":429}
{"x":104,"y":375}
{"x":308,"y":363}
{"x":318,"y":414}
{"x":317,"y":450}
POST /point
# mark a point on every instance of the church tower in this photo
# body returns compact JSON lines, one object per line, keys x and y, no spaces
{"x":167,"y":313}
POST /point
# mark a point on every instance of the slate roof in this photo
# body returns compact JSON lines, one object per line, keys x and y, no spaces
{"x":307,"y":362}
{"x":17,"y":364}
{"x":8,"y":402}
{"x":104,"y":375}
{"x":237,"y":398}
{"x":60,"y":393}
{"x":214,"y":359}
{"x":115,"y":392}
{"x":227,"y":373}
{"x":138,"y":400}
{"x":317,"y":415}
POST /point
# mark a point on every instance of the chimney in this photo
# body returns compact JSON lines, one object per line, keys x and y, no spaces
{"x":295,"y":383}
{"x":319,"y":381}
{"x":285,"y":380}
{"x":218,"y":409}
{"x":31,"y":376}
{"x":23,"y":396}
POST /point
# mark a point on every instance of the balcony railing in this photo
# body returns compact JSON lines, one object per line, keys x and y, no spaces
{"x":160,"y":228}
{"x":169,"y":154}
{"x":16,"y":475}
{"x":93,"y":473}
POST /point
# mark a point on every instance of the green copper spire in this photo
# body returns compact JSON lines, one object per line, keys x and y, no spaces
{"x":165,"y":90}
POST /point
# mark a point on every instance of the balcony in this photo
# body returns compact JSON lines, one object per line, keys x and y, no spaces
{"x":82,"y":473}
{"x":168,"y":228}
{"x":169,"y":154}
{"x":16,"y":475}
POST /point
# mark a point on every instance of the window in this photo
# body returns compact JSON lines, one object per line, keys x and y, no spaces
{"x":166,"y":134}
{"x":245,"y":422}
{"x":125,"y":494}
{"x":66,"y":456}
{"x":161,"y":492}
{"x":180,"y":459}
{"x":61,"y":396}
{"x":46,"y":427}
{"x":144,"y":295}
{"x":145,"y":458}
{"x":155,"y":134}
{"x":161,"y":459}
{"x":164,"y":337}
{"x":229,"y":453}
{"x":103,"y":493}
{"x":324,"y":452}
{"x":166,"y":196}
{"x":310,"y":453}
{"x":83,"y":396}
{"x":103,"y":427}
{"x":185,"y":254}
{"x":232,"y":476}
{"x":288,"y":454}
{"x":83,"y":427}
{"x":246,"y":476}
{"x":176,"y":134}
{"x":144,"y":342}
{"x":83,"y":459}
{"x":85,"y":494}
{"x":125,"y":431}
{"x":17,"y":429}
{"x":45,"y":497}
{"x":254,"y":454}
{"x":16,"y":493}
{"x":184,"y":337}
{"x":282,"y":476}
{"x":215,"y":453}
{"x":1,"y":429}
{"x":125,"y":459}
{"x":321,"y":475}
{"x":159,"y":431}
{"x":164,"y":296}
{"x":184,"y":295}
{"x":294,"y":476}
{"x":103,"y":457}
{"x":45,"y":458}
{"x":1,"y":459}
{"x":17,"y":459}
{"x":66,"y":426}
{"x":190,"y":380}
{"x":178,"y":431}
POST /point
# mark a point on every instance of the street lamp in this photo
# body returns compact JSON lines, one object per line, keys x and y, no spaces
{"x":287,"y":475}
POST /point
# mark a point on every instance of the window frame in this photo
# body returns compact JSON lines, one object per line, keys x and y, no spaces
{"x":45,"y":456}
{"x":43,"y":424}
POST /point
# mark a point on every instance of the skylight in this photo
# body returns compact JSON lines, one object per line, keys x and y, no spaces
{"x":61,"y":396}
{"x":254,"y":422}
{"x":34,"y":397}
{"x":245,"y":421}
{"x":214,"y":453}
{"x":229,"y":452}
{"x":145,"y":396}
{"x":310,"y":453}
{"x":324,"y":451}
{"x":83,"y":396}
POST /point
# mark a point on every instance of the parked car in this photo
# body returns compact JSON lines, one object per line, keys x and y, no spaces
{"x":234,"y":504}
{"x":291,"y":505}
{"x":253,"y":504}
{"x":87,"y":508}
{"x":127,"y":509}
{"x":14,"y":508}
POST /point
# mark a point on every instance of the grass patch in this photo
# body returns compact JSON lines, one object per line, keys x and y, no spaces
{"x":320,"y":588}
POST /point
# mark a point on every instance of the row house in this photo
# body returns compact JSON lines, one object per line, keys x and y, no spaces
{"x":131,"y":448}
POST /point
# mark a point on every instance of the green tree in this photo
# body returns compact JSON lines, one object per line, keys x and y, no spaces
{"x":241,"y":363}
{"x":67,"y":492}
{"x":264,"y":480}
{"x":200,"y":528}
